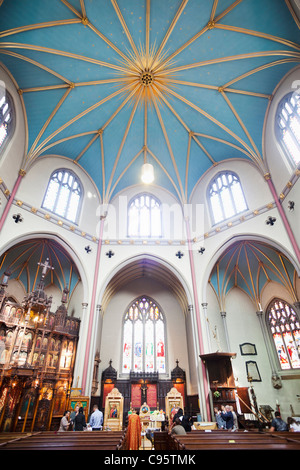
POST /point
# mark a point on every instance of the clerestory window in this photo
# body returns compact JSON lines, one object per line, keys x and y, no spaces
{"x":144,"y":217}
{"x":6,"y":117}
{"x":288,"y":127}
{"x":63,"y":195}
{"x":226,"y":197}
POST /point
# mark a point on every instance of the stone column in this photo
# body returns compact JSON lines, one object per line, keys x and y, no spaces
{"x":223,"y":315}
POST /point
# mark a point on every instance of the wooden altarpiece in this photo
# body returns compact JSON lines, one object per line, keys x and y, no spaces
{"x":174,"y":401}
{"x":113,"y":414}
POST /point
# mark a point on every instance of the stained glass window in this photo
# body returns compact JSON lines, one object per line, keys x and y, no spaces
{"x":143,"y":347}
{"x":6,"y":116}
{"x":288,"y":124}
{"x":285,"y":329}
{"x":226,"y":197}
{"x":144,"y":217}
{"x":63,"y":195}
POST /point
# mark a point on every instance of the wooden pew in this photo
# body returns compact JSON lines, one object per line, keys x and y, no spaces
{"x":96,"y":440}
{"x":229,"y":441}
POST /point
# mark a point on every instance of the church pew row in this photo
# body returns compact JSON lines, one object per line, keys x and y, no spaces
{"x":96,"y":440}
{"x":231,"y":441}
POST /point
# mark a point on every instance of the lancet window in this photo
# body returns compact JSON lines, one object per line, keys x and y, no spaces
{"x":284,"y":326}
{"x":226,"y":197}
{"x":6,"y":117}
{"x":288,"y":126}
{"x":63,"y":195}
{"x":144,"y":344}
{"x":144,"y":216}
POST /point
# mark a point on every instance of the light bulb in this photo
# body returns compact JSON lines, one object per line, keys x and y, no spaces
{"x":147,"y":173}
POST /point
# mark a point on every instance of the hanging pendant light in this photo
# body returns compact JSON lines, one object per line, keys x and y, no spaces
{"x":147,"y":173}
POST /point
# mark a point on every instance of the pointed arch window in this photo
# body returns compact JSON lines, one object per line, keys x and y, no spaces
{"x":288,"y":126}
{"x":144,"y":342}
{"x":226,"y":197}
{"x":284,"y":326}
{"x":63,"y":195}
{"x":144,"y":216}
{"x":6,"y":117}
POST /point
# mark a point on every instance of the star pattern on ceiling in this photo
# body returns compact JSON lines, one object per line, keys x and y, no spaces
{"x":182,"y":84}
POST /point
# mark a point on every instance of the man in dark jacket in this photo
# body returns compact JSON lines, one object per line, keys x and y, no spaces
{"x":227,"y":416}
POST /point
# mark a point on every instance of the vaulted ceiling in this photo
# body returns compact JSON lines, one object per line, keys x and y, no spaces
{"x":182,"y":84}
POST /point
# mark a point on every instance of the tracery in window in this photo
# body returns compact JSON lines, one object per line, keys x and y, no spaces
{"x":143,"y":346}
{"x":6,"y":116}
{"x":285,"y":329}
{"x":288,"y":123}
{"x":63,"y":195}
{"x":226,"y":197}
{"x":144,"y":217}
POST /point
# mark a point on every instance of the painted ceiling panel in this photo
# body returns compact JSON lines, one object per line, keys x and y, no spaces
{"x":196,"y":66}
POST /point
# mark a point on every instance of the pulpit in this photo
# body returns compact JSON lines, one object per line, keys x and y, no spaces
{"x":113,"y":414}
{"x":174,"y":401}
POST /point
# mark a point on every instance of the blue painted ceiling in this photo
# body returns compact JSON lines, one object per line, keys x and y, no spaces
{"x":213,"y":66}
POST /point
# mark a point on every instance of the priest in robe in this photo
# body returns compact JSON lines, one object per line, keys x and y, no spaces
{"x":134,"y":431}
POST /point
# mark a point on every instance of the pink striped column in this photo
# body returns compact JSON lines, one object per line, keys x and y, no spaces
{"x":197,"y":310}
{"x":92,"y":309}
{"x":11,"y":198}
{"x":284,"y":218}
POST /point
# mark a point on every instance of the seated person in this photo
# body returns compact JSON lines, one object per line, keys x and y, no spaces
{"x":178,"y":428}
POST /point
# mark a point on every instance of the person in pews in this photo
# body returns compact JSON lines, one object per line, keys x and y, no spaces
{"x":178,"y":428}
{"x":227,"y":416}
{"x":278,"y":424}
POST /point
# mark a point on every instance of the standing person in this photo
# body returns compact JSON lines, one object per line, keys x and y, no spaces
{"x":73,"y":414}
{"x":64,"y":422}
{"x":220,"y":421}
{"x":227,"y":416}
{"x":235,"y":420}
{"x":278,"y":424}
{"x":79,"y":420}
{"x":134,"y":431}
{"x":96,"y":419}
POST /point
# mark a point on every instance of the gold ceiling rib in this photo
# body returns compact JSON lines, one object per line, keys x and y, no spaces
{"x":71,"y":55}
{"x":30,"y":27}
{"x":39,"y":149}
{"x":170,"y":149}
{"x":202,"y":31}
{"x":34,"y":62}
{"x":239,"y":119}
{"x":217,"y":139}
{"x":296,"y":19}
{"x":169,"y":32}
{"x":258,"y":69}
{"x":108,"y":193}
{"x":216,"y":88}
{"x":250,"y":55}
{"x":127,"y":32}
{"x":258,"y":34}
{"x":61,"y":101}
{"x":218,"y":123}
{"x":166,"y":172}
{"x":264,"y":263}
{"x":124,"y":171}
